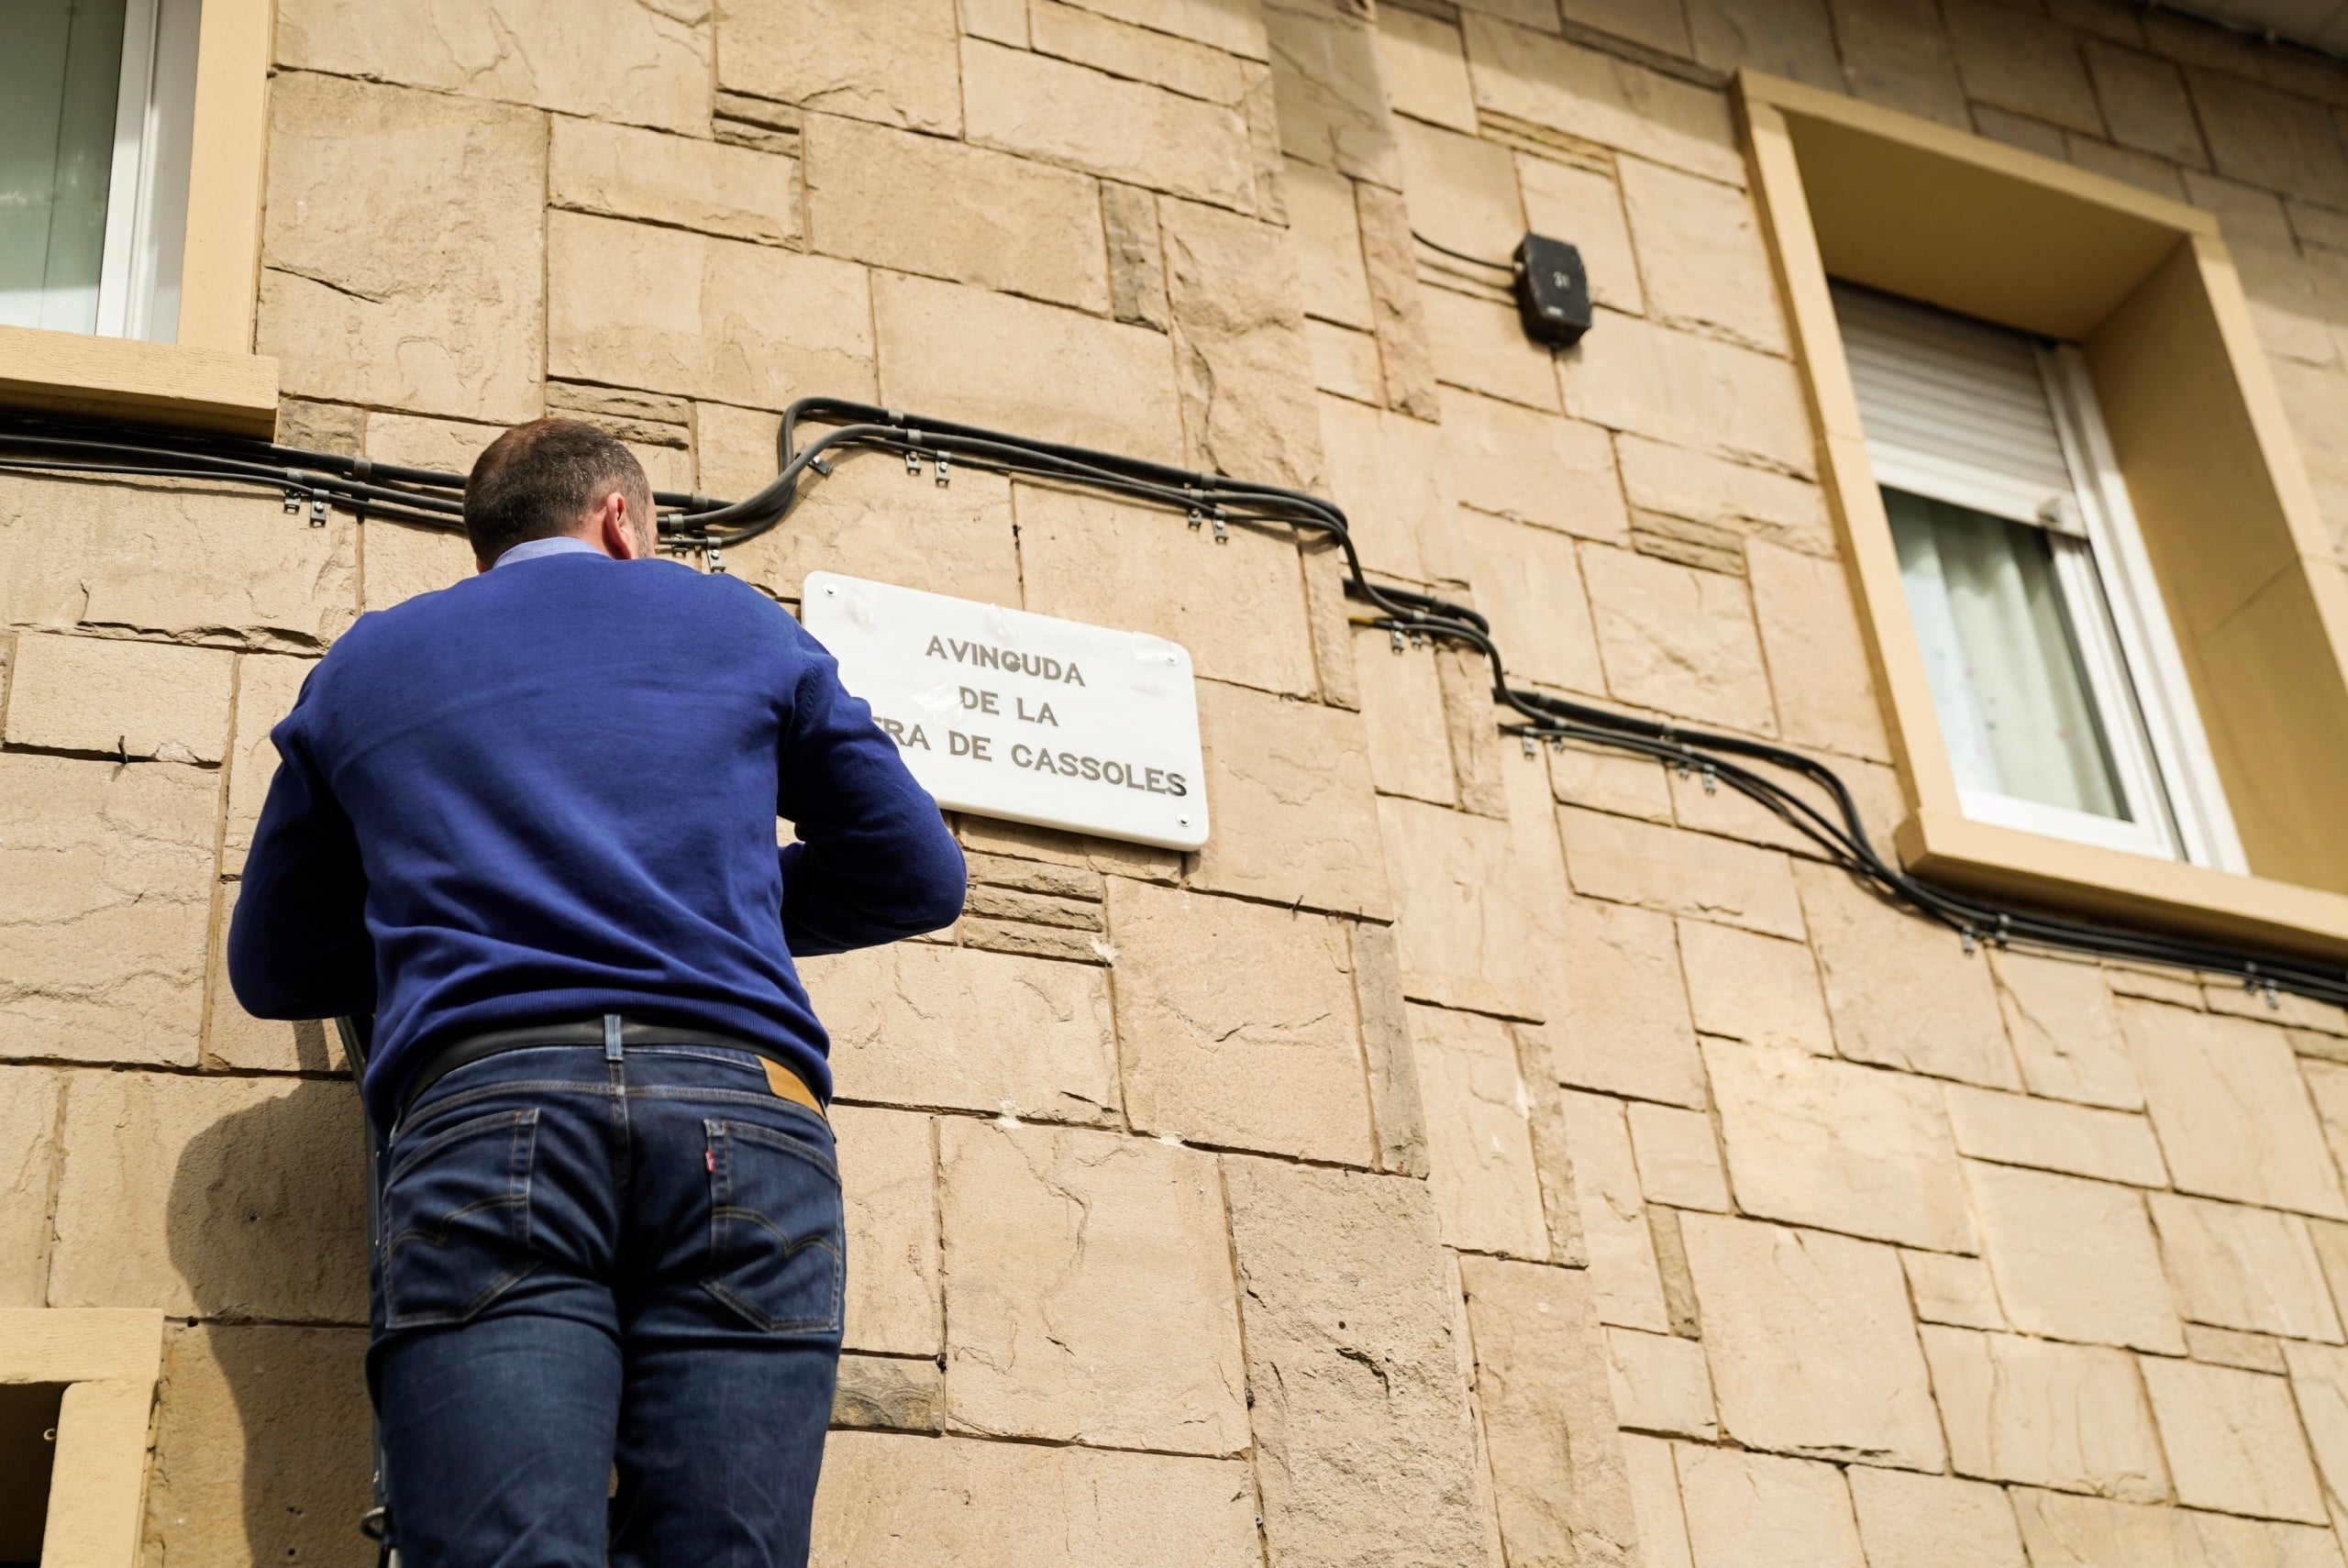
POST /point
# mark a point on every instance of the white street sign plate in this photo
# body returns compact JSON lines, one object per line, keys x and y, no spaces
{"x":1020,"y":716}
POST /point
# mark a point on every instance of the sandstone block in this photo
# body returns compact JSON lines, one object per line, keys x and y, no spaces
{"x":1331,"y":104}
{"x":1363,"y":1433}
{"x":172,"y":562}
{"x":106,"y":876}
{"x":1239,"y":608}
{"x":2144,"y":103}
{"x":1403,"y":719}
{"x":1395,"y":1108}
{"x":262,"y":1451}
{"x":1387,"y":471}
{"x":29,"y":1107}
{"x":1239,"y":346}
{"x":1655,"y":1498}
{"x":2065,"y":1531}
{"x":2225,"y":1347}
{"x":2073,"y":1259}
{"x":2234,"y":1440}
{"x":2319,"y":1388}
{"x":1700,"y":253}
{"x":1402,"y":336}
{"x":558,"y":56}
{"x":2244,"y":1268}
{"x":1532,"y":467}
{"x":1660,"y":1384}
{"x":1818,"y":666}
{"x":2268,"y":139}
{"x":895,"y":1501}
{"x":1565,"y":198}
{"x":963,"y":353}
{"x":2232,"y":1113}
{"x":1679,"y":640}
{"x":402,"y":562}
{"x":1213,"y":992}
{"x":2071,"y":1417}
{"x":1892,"y":56}
{"x":683,"y":182}
{"x":1770,"y":1297}
{"x":866,"y":518}
{"x":1485,"y":770}
{"x":1903,"y":992}
{"x":124,"y":698}
{"x":1463,"y":192}
{"x":1295,"y":812}
{"x":1136,"y":257}
{"x":998,"y":221}
{"x":1757,"y":1510}
{"x":888,"y":60}
{"x":1632,"y":862}
{"x":1069,"y":32}
{"x":888,"y":1183}
{"x":1327,"y":232}
{"x":1549,"y":1420}
{"x":1529,"y":585}
{"x":1478,"y":343}
{"x":1818,"y":1142}
{"x":1695,"y":487}
{"x":1625,"y":1028}
{"x":916,"y":1023}
{"x":1057,"y":113}
{"x":1934,"y":1521}
{"x":683,"y":312}
{"x":229,"y":1198}
{"x":403,"y":256}
{"x":1755,"y":989}
{"x":1950,"y":1289}
{"x":1480,"y":1141}
{"x":888,"y":1392}
{"x":1679,"y":1163}
{"x":1688,"y":390}
{"x":2064,"y":1031}
{"x":1233,"y":30}
{"x":1625,"y":1275}
{"x":1476,"y":915}
{"x":2018,"y":1130}
{"x":266,"y":691}
{"x":1600,"y":98}
{"x":1425,"y":67}
{"x":1087,"y":1290}
{"x":2030,"y":67}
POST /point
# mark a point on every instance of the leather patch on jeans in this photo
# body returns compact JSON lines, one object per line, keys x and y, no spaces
{"x":786,"y":1086}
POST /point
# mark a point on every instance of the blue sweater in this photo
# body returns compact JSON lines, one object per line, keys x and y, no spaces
{"x":549,"y":792}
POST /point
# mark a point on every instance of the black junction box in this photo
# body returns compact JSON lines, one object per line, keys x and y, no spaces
{"x":1552,"y":291}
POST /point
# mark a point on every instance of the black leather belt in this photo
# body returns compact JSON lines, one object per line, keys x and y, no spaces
{"x":588,"y":1031}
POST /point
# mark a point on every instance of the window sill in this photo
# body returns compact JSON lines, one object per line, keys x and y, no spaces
{"x":2135,"y":889}
{"x":110,"y":1359}
{"x":152,"y":383}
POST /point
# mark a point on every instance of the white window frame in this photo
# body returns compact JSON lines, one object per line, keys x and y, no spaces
{"x":2128,"y":651}
{"x":138,"y":276}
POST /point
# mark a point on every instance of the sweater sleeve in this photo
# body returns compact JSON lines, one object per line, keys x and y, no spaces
{"x":874,"y":861}
{"x":298,"y":946}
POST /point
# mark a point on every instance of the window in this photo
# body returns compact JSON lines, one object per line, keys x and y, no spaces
{"x":2053,"y":669}
{"x":97,"y":104}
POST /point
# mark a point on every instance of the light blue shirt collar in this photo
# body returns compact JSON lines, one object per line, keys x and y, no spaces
{"x":533,"y":549}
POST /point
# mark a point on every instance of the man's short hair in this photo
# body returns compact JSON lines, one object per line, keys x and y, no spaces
{"x":539,"y":479}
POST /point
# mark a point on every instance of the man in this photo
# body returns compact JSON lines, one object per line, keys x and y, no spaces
{"x":528,"y":823}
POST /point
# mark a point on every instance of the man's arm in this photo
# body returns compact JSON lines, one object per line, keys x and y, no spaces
{"x":874,"y":862}
{"x":298,"y":947}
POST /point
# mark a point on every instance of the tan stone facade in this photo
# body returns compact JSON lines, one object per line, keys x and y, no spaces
{"x":1469,"y":1158}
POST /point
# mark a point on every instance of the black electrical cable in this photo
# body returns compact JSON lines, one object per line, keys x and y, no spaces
{"x":1833,"y":825}
{"x":1463,"y":256}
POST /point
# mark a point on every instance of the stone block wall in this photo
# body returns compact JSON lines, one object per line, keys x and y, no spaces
{"x":1468,"y":1159}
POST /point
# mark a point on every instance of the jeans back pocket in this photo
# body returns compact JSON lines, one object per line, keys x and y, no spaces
{"x":457,"y":1219}
{"x":777,"y":1235}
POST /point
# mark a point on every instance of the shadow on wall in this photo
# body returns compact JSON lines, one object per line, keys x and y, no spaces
{"x":266,"y":1223}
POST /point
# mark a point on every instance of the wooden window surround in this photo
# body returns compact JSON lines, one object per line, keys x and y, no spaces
{"x":2145,"y":287}
{"x":209,"y":379}
{"x":109,"y":1360}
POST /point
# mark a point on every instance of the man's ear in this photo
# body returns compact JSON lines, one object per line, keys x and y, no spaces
{"x":615,"y":529}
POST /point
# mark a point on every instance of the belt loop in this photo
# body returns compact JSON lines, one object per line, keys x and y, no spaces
{"x":611,"y":1037}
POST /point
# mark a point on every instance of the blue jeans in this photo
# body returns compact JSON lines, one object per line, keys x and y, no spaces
{"x":588,"y":1262}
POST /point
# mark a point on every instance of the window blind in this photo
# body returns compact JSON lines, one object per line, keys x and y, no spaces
{"x":1956,"y":410}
